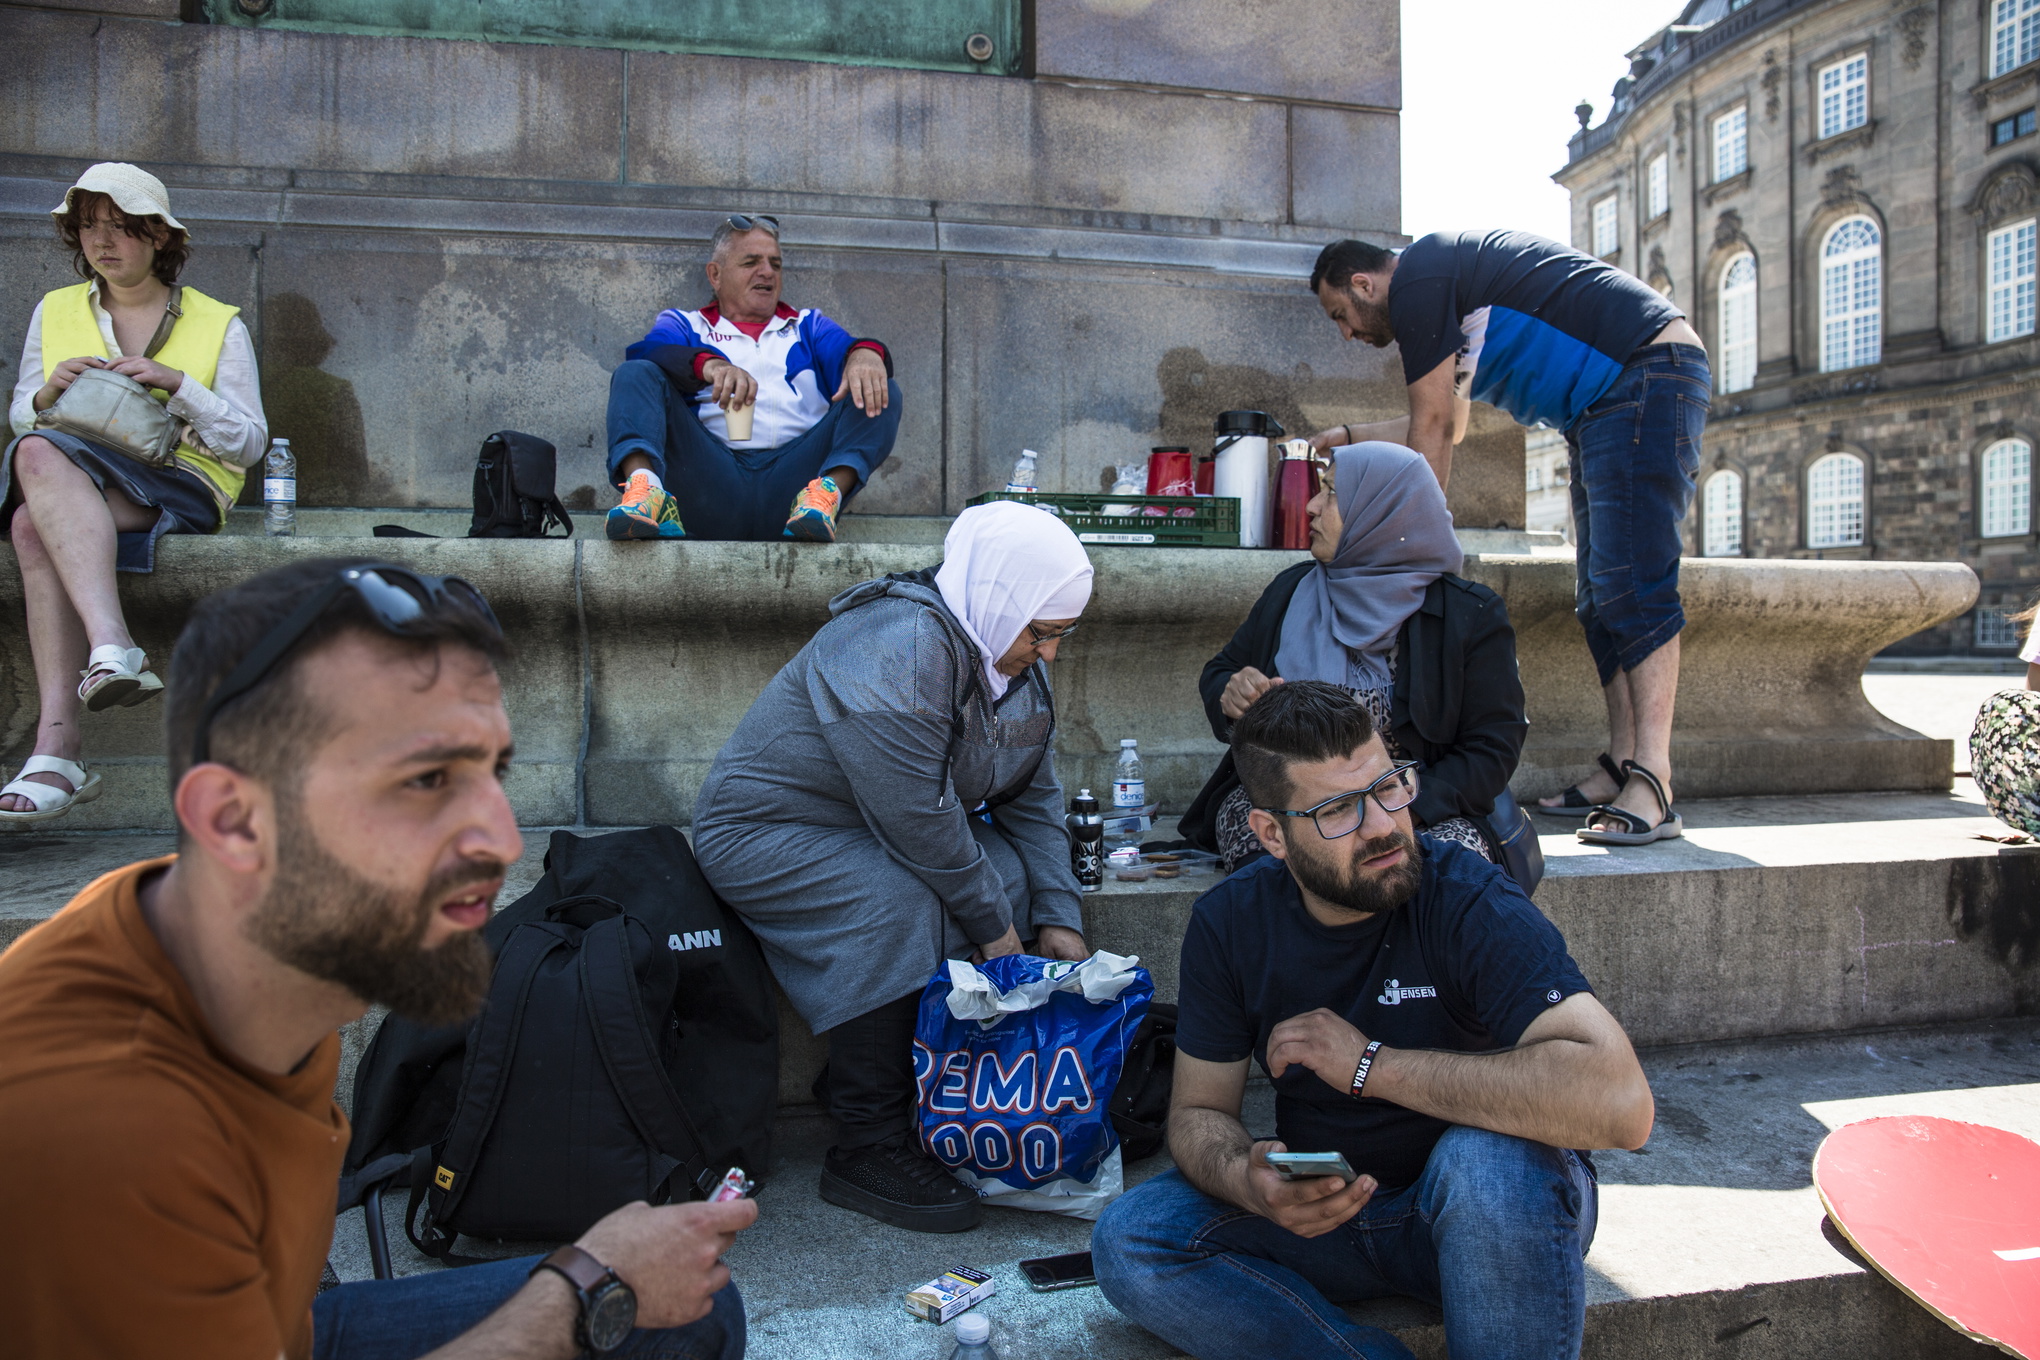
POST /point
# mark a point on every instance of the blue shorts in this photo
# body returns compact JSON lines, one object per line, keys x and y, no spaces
{"x":1635,"y":455}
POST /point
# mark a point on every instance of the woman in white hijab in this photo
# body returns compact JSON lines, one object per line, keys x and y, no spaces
{"x":890,"y":801}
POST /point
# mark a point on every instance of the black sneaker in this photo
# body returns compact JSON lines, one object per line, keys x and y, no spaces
{"x":901,"y":1186}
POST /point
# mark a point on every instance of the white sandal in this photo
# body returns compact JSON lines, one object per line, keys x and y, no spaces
{"x":115,"y":675}
{"x":49,"y":800}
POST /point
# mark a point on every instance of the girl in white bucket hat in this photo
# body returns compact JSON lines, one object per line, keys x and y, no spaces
{"x":76,"y":509}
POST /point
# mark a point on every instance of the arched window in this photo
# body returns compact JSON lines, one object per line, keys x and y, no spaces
{"x":1721,"y":515}
{"x":1738,"y":348}
{"x":1851,"y":295}
{"x":1834,"y":502}
{"x":2006,"y":483}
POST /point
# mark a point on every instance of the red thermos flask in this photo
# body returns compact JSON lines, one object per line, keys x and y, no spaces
{"x":1295,"y":483}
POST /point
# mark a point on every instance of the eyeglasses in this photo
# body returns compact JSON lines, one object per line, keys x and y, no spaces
{"x":1341,"y":814}
{"x":744,"y":222}
{"x":1042,"y":640}
{"x":396,"y":598}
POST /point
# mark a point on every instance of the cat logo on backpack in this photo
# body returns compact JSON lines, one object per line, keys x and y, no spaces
{"x":443,"y":1178}
{"x":694,"y":939}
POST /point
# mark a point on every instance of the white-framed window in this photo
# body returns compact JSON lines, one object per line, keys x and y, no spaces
{"x":1732,"y":142}
{"x":1851,"y":295}
{"x":1607,"y":226}
{"x":1738,"y":307}
{"x":1658,"y":185}
{"x":2014,"y":34}
{"x":1844,"y":95}
{"x":1834,"y":502}
{"x":1721,"y":515}
{"x":2011,"y":280}
{"x":2005,"y":486}
{"x":1995,"y":629}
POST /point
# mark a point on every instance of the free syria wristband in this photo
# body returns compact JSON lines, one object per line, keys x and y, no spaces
{"x":1366,"y":1064}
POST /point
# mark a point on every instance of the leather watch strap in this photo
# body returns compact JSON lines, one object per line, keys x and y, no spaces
{"x":582,"y":1270}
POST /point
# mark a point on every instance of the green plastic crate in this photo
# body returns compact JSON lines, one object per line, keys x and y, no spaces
{"x":1213,"y":523}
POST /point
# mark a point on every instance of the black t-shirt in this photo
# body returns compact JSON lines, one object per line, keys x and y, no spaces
{"x":1466,"y":965}
{"x":1541,"y":330}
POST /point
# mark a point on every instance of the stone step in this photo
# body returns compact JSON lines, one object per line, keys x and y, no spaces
{"x":1710,"y":1241}
{"x":1772,"y":916}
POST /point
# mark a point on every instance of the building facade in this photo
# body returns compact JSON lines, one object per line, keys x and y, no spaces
{"x":1843,"y":195}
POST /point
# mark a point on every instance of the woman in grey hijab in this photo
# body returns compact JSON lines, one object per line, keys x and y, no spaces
{"x":1382,"y":610}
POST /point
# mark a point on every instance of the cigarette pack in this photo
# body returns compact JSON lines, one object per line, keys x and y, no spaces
{"x":943,"y":1297}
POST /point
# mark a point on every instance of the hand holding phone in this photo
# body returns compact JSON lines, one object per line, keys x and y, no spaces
{"x":1311,"y":1204}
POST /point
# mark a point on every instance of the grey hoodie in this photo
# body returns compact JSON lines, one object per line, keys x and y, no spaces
{"x":837,"y":816}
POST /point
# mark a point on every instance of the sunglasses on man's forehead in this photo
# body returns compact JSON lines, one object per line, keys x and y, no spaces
{"x":745,"y":222}
{"x":395,"y":598}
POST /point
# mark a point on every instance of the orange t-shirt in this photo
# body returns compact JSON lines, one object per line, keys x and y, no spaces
{"x":158,"y":1197}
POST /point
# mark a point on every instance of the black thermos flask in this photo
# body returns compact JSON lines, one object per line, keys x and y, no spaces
{"x":1087,"y":841}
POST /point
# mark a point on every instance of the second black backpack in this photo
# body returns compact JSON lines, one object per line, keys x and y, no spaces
{"x":629,"y":1049}
{"x":514,"y":497}
{"x":1140,"y":1103}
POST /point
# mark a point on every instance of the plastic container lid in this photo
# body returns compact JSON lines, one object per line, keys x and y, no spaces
{"x":973,"y":1329}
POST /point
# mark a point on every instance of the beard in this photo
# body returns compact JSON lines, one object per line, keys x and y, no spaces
{"x":324,"y":919}
{"x":1349,"y":887}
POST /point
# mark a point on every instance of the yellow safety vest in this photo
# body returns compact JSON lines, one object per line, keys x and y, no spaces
{"x":69,"y":330}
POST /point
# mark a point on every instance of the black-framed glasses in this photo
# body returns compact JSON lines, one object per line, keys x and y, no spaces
{"x":1042,"y":639}
{"x":747,"y":221}
{"x":396,"y":598}
{"x":1342,"y":813}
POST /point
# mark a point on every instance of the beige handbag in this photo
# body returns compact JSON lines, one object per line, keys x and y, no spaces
{"x":114,"y":410}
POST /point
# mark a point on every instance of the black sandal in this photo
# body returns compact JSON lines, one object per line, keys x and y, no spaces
{"x":1636,"y":831}
{"x":1577,"y":804}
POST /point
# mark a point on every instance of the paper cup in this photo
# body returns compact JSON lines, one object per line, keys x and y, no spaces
{"x":739,"y":421}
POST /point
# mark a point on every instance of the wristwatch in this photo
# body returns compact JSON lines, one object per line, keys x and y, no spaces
{"x":608,"y":1306}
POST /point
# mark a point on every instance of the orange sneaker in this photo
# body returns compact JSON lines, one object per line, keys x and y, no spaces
{"x":815,"y":510}
{"x":646,"y":512}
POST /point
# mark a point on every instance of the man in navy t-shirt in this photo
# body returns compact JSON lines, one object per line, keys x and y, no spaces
{"x":1558,"y":338}
{"x":1417,"y":1016}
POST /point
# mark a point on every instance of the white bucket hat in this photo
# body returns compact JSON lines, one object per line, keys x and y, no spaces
{"x":139,"y":193}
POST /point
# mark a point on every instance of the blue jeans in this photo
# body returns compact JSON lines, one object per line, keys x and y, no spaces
{"x":1495,"y":1232}
{"x":736,"y":493}
{"x":404,"y":1318}
{"x":1635,"y":454}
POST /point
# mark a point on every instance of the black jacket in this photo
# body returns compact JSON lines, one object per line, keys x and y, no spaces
{"x":1457,"y":704}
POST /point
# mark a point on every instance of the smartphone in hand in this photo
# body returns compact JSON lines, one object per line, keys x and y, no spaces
{"x":1302,"y":1166}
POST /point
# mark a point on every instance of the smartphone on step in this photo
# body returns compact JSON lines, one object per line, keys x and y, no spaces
{"x":1058,"y":1272}
{"x":1302,"y":1166}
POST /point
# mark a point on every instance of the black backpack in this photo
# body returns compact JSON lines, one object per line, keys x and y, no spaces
{"x":629,"y":1049}
{"x":1140,"y":1103}
{"x":514,"y":488}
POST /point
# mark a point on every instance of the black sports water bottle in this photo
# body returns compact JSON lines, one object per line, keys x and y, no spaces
{"x":1087,"y":841}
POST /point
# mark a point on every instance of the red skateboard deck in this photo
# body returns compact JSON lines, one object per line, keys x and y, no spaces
{"x":1948,"y":1212}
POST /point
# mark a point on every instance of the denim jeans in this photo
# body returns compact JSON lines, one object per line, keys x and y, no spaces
{"x":736,"y":493}
{"x":1495,"y":1232}
{"x":404,"y":1318}
{"x":1635,"y":454}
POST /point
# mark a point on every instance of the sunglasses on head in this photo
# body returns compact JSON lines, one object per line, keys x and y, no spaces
{"x":396,"y":598}
{"x":742,"y":222}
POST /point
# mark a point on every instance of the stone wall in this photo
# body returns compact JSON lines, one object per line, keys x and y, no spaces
{"x":435,"y":239}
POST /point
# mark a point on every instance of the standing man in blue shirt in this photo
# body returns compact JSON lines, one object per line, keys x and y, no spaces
{"x":1559,"y":338}
{"x":1418,"y":1016}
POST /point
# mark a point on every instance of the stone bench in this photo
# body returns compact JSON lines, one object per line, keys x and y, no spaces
{"x":635,"y":661}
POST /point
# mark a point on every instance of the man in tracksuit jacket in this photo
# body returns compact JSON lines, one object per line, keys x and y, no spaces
{"x":809,"y":449}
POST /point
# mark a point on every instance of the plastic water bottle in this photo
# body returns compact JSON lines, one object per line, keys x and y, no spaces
{"x":279,"y":490}
{"x":1023,"y":471}
{"x":973,"y":1338}
{"x":1129,"y":795}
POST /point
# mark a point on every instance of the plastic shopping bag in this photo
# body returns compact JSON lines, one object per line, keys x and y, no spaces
{"x":1016,"y":1061}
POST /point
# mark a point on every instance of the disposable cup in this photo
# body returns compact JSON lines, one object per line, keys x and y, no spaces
{"x":739,"y":421}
